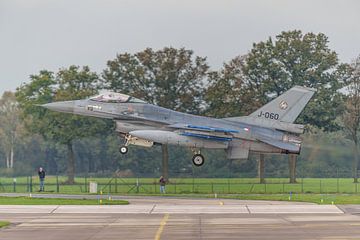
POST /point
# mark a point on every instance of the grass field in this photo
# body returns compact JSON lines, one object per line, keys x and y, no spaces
{"x":314,"y":198}
{"x":4,"y":224}
{"x":185,"y":185}
{"x":301,"y":197}
{"x":305,"y":197}
{"x":58,"y":201}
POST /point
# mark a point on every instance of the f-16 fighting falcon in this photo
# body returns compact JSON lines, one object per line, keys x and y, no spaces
{"x":268,"y":130}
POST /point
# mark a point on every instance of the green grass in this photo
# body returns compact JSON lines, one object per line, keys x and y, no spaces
{"x":4,"y":224}
{"x":188,"y":185}
{"x":57,"y":201}
{"x":313,"y":198}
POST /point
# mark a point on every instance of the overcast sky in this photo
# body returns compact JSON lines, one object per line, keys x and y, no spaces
{"x":50,"y":34}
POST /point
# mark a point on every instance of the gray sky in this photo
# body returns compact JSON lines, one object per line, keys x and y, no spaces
{"x":50,"y":34}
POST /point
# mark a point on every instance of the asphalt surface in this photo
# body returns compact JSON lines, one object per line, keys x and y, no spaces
{"x":178,"y":218}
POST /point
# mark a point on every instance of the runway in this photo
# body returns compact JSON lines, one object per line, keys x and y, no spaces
{"x":177,"y":218}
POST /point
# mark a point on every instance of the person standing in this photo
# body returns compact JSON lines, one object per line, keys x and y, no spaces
{"x":42,"y":178}
{"x":162,"y":184}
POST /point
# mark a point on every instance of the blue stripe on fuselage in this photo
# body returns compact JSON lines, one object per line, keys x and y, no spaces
{"x":216,"y":138}
{"x":212,"y":129}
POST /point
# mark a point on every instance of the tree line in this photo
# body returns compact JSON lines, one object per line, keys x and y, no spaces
{"x":180,"y":80}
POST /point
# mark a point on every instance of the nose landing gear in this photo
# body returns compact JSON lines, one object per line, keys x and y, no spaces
{"x":198,"y":159}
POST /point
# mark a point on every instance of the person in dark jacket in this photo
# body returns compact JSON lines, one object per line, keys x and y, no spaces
{"x":42,"y":178}
{"x":162,"y":182}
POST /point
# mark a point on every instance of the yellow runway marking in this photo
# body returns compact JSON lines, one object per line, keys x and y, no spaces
{"x":161,"y":227}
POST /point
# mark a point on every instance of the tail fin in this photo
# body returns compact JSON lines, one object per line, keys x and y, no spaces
{"x":287,"y":107}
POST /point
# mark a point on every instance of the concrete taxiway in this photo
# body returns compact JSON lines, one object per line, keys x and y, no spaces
{"x":177,"y":218}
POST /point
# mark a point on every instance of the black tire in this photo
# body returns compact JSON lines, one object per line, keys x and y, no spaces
{"x":198,"y":160}
{"x":123,"y":150}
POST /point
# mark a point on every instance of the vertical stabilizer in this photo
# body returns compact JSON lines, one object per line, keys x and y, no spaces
{"x":287,"y":107}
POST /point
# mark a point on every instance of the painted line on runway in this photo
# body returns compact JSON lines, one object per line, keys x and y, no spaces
{"x":54,"y":209}
{"x":247,"y":208}
{"x":152,"y":209}
{"x":161,"y":227}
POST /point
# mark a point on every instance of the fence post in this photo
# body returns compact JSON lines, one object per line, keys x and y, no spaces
{"x":356,"y":190}
{"x":57,"y":184}
{"x":27,"y":184}
{"x":137,"y":185}
{"x":14,"y":184}
{"x":228,"y":185}
{"x":302,"y":182}
{"x":85,"y":183}
{"x":212,"y":187}
{"x":265,"y":186}
{"x":337,"y":181}
{"x":193,"y":185}
{"x":283,"y":188}
{"x":31,"y":187}
{"x":175,"y":186}
{"x":116,"y":183}
{"x":320,"y":186}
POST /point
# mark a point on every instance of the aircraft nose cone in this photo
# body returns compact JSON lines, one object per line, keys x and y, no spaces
{"x":67,"y":106}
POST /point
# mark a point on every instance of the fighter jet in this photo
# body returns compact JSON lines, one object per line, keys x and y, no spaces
{"x":268,"y":130}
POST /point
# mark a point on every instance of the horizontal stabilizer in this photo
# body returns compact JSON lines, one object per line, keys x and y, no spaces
{"x":290,"y":147}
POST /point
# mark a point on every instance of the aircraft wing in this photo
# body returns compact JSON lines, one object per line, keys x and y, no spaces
{"x":204,"y":132}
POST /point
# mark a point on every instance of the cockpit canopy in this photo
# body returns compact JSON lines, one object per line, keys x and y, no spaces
{"x":113,"y":97}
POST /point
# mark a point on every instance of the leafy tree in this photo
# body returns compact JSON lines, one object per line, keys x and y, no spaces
{"x":228,"y":92}
{"x":11,"y":127}
{"x":171,"y":78}
{"x":68,"y":84}
{"x":351,"y":116}
{"x":295,"y":58}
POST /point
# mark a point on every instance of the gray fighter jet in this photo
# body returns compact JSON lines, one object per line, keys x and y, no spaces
{"x":270,"y":129}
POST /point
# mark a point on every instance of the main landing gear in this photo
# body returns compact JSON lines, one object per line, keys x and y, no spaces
{"x":124,"y":149}
{"x":198,"y":159}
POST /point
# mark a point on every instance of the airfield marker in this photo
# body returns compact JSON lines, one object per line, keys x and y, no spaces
{"x":161,"y":227}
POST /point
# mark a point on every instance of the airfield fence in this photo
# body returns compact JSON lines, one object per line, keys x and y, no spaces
{"x":118,"y":185}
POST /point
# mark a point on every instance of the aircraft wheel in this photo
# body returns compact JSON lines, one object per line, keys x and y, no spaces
{"x":198,"y":160}
{"x":123,"y":150}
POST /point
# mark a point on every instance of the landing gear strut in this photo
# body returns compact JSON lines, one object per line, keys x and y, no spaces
{"x":124,"y":149}
{"x":198,"y":159}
